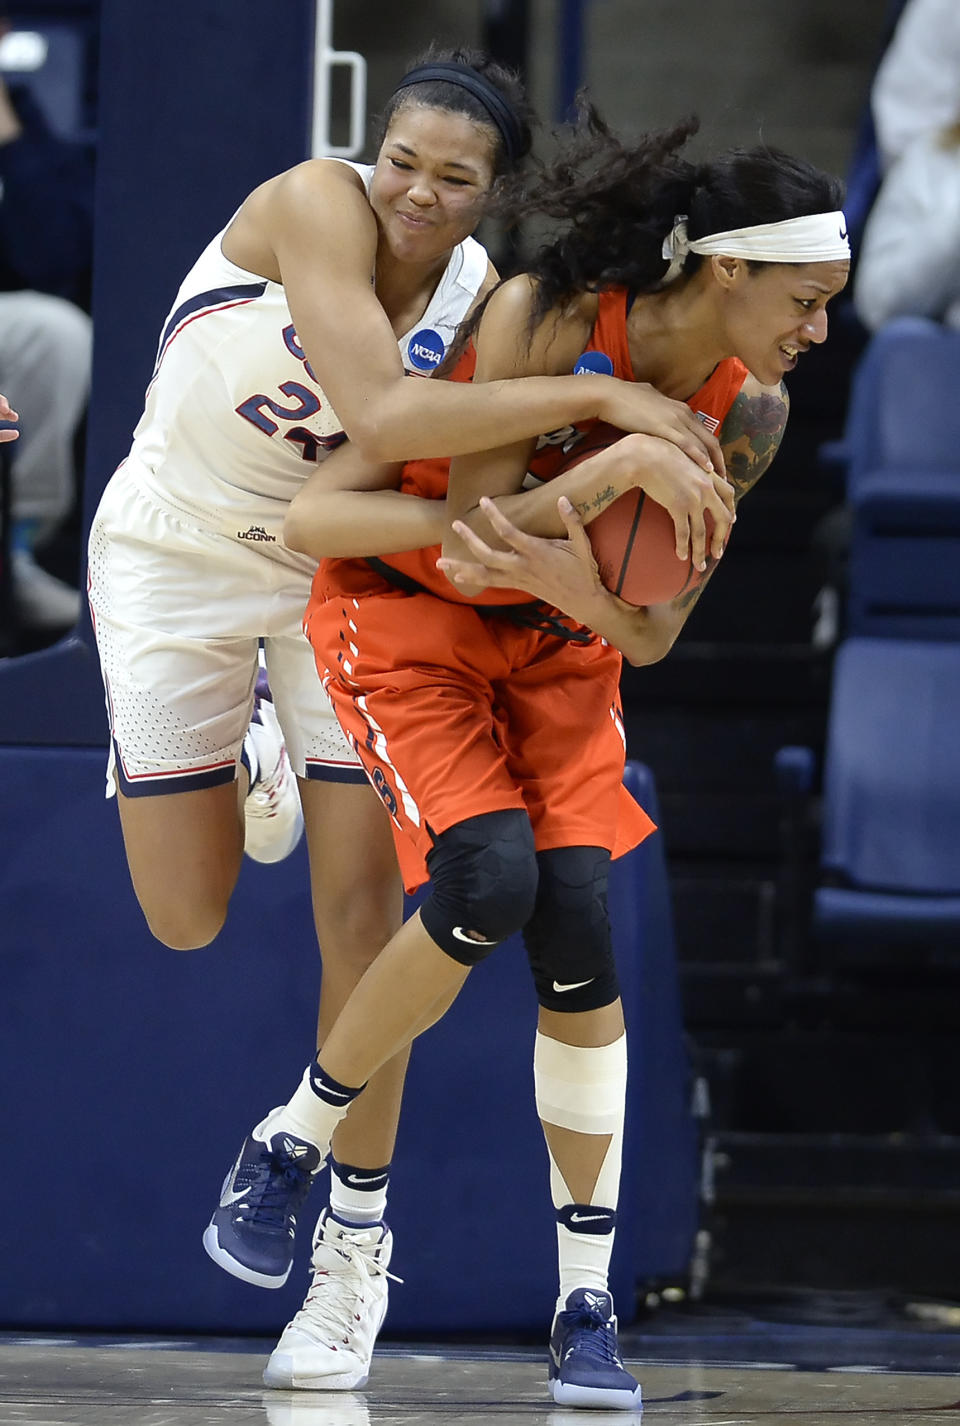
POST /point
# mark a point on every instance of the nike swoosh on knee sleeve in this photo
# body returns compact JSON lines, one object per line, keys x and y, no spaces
{"x":462,"y":935}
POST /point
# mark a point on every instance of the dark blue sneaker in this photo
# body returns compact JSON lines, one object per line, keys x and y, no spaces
{"x":251,"y":1232}
{"x":585,"y":1364}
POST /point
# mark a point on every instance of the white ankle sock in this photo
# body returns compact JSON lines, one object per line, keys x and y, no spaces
{"x":358,"y":1195}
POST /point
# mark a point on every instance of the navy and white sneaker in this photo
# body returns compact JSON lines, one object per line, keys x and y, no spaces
{"x":252,"y":1230}
{"x":586,"y":1368}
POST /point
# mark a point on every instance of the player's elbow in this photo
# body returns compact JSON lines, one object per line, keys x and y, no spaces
{"x":640,"y":658}
{"x":375,"y":440}
{"x":653,"y":646}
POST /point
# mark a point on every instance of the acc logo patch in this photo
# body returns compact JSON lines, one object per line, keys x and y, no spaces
{"x":597,"y":362}
{"x":425,"y":349}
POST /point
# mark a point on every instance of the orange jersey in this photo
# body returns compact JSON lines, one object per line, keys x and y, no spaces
{"x":607,"y":351}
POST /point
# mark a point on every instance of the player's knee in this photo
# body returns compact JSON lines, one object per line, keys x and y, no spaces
{"x":568,"y":937}
{"x":483,"y":884}
{"x":185,"y":928}
{"x":353,"y":930}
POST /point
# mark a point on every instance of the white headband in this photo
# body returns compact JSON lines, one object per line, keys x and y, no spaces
{"x":821,"y":237}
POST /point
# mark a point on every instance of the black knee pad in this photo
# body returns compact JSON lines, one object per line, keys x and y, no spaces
{"x":568,"y":936}
{"x":483,"y":883}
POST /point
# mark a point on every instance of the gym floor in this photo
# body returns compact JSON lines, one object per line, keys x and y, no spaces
{"x":718,"y":1368}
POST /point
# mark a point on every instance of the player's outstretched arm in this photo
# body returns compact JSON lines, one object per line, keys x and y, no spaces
{"x":314,"y":229}
{"x":350,"y":507}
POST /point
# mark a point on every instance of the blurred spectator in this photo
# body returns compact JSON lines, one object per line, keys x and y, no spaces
{"x":46,"y":241}
{"x":909,"y":264}
{"x":917,"y":86}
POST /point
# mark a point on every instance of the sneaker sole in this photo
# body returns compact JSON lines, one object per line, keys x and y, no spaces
{"x":279,"y":1373}
{"x":223,"y":1259}
{"x":599,"y":1398}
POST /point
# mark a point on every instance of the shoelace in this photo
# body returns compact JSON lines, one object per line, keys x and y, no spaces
{"x":599,"y":1340}
{"x":280,"y":1184}
{"x":332,"y":1303}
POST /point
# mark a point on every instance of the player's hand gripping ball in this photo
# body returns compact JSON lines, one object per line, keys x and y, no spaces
{"x":634,"y":541}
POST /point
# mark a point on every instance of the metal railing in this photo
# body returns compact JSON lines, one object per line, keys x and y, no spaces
{"x":325,"y":60}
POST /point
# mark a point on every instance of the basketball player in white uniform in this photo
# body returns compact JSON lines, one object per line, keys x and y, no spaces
{"x":296,"y":329}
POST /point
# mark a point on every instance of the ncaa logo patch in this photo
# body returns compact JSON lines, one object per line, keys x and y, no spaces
{"x":597,"y":362}
{"x":425,"y":349}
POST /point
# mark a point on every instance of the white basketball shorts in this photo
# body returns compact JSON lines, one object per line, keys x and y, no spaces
{"x":179,"y":612}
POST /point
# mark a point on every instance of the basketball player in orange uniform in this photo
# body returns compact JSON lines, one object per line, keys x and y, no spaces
{"x":488,"y":721}
{"x":561,"y":715}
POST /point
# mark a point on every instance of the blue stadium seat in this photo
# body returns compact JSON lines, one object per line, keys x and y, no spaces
{"x":903,"y":485}
{"x":902,"y":411}
{"x":889,"y":870}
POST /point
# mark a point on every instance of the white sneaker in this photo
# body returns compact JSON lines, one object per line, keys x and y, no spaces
{"x":273,"y":818}
{"x":42,"y":600}
{"x":329,"y":1344}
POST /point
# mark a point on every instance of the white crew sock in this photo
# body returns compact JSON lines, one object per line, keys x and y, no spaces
{"x":314,"y":1109}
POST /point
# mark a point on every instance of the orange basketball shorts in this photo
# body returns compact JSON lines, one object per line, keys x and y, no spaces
{"x":454,"y":714}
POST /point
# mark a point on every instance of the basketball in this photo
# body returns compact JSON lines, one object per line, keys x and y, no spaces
{"x":633,"y":540}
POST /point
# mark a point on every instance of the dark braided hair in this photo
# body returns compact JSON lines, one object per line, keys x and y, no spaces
{"x":438,"y":94}
{"x":616,"y":202}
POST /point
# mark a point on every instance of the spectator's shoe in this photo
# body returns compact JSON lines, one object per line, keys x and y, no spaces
{"x":329,"y":1343}
{"x":272,"y":815}
{"x":252,"y":1230}
{"x":42,"y":601}
{"x":585,"y":1364}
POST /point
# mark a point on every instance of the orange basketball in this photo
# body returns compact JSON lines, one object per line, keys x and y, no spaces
{"x":633,"y":540}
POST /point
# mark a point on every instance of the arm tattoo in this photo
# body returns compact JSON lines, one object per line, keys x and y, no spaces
{"x":686,"y":601}
{"x":751,"y":436}
{"x":597,"y":502}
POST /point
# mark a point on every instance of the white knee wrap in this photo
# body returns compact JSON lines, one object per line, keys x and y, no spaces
{"x":583,"y":1090}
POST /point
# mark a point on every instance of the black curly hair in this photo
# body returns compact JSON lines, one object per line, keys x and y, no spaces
{"x":617,"y":201}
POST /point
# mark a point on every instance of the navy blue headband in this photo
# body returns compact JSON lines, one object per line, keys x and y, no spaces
{"x":507,"y":123}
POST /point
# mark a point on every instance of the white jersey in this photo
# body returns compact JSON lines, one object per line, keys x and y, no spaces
{"x":235,"y":419}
